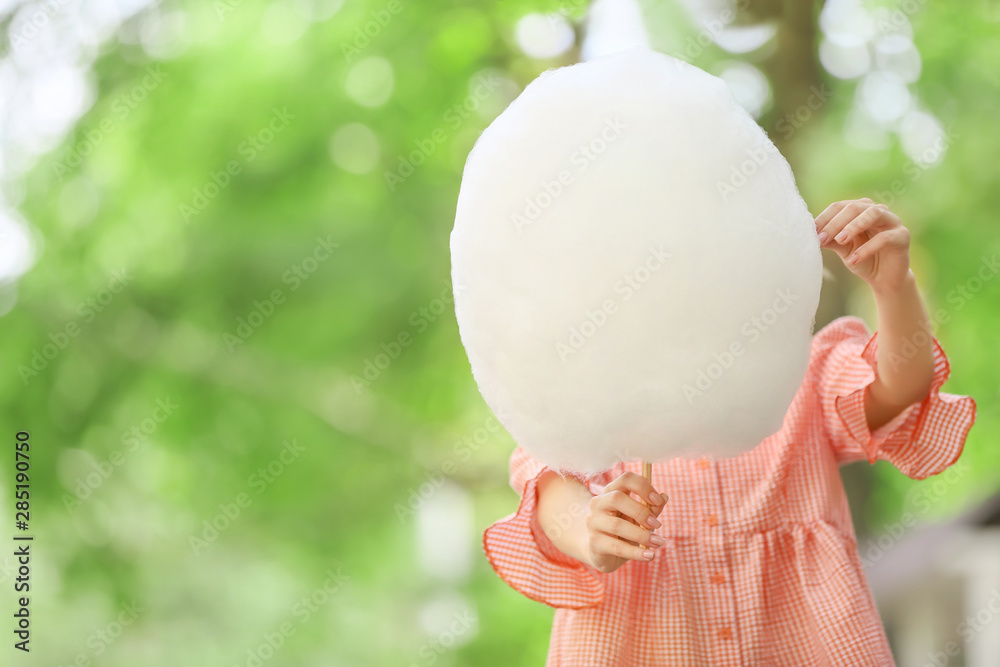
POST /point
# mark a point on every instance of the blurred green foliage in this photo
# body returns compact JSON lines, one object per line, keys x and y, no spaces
{"x":335,"y":507}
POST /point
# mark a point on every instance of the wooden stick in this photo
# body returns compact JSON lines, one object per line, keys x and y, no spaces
{"x":647,"y":473}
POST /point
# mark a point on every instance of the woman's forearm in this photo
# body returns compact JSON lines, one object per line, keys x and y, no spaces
{"x":875,"y":246}
{"x":563,"y":505}
{"x":905,"y":358}
{"x":604,"y":531}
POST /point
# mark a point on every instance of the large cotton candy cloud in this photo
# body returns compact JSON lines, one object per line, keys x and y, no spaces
{"x":635,"y":272}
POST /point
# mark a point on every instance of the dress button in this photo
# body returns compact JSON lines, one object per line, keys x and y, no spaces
{"x":703,"y":463}
{"x":726,"y":633}
{"x":712,"y":520}
{"x":718,"y":578}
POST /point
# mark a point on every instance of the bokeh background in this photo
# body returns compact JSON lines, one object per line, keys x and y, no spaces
{"x":227,"y":319}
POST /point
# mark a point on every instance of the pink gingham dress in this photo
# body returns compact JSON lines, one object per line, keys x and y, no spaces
{"x":760,"y":566}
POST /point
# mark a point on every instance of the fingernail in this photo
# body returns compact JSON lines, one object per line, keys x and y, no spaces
{"x":653,"y":523}
{"x":657,"y":541}
{"x":823,"y":236}
{"x":665,"y":497}
{"x":853,"y":258}
{"x":655,"y":498}
{"x":648,"y":555}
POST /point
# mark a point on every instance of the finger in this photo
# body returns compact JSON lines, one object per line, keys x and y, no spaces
{"x":833,"y":209}
{"x":628,"y":506}
{"x":623,"y":529}
{"x":840,"y":220}
{"x":828,"y":213}
{"x":897,"y":237}
{"x":876,"y":218}
{"x":656,"y":509}
{"x":602,"y":543}
{"x":637,"y":484}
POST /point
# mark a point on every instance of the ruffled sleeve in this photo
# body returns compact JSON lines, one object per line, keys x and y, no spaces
{"x":922,"y":440}
{"x":526,"y":559}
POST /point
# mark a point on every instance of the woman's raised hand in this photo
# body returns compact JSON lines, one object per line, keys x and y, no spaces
{"x":619,"y":527}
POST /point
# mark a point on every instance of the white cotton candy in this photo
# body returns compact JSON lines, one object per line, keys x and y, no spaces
{"x":635,"y":273}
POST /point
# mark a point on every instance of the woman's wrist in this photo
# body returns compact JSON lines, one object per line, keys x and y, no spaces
{"x":905,"y":363}
{"x":894,"y":290}
{"x":562,"y":509}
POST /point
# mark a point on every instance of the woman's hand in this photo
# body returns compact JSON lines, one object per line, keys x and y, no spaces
{"x":876,"y":247}
{"x":870,"y":239}
{"x":619,"y":527}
